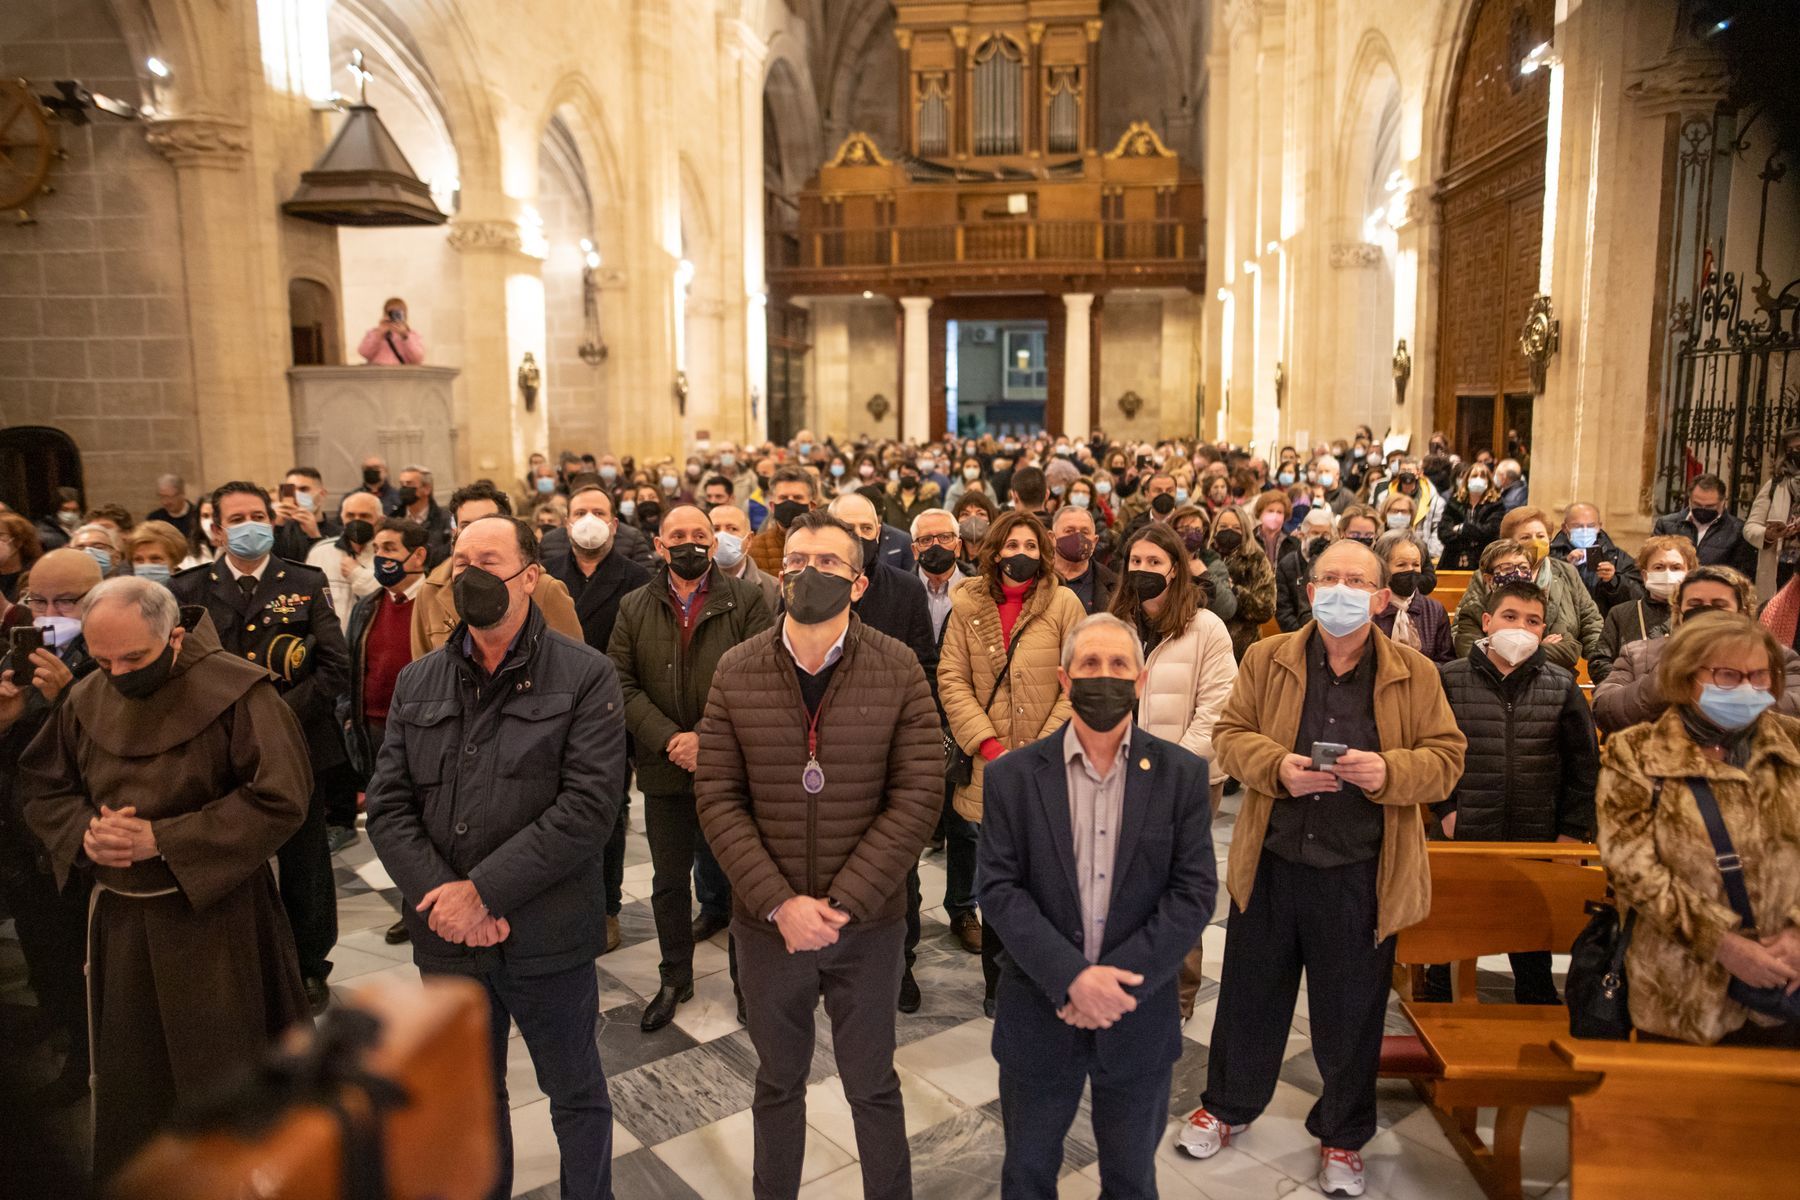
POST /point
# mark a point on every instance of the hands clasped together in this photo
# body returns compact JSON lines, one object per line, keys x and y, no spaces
{"x":1098,"y":999}
{"x":455,"y":913}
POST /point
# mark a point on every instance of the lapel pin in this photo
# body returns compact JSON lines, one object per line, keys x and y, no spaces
{"x":1143,"y":764}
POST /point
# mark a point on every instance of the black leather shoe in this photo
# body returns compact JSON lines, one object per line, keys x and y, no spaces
{"x":661,"y":1009}
{"x":909,"y":993}
{"x":708,"y":924}
{"x":396,"y":933}
{"x":317,"y":994}
{"x":987,"y":1008}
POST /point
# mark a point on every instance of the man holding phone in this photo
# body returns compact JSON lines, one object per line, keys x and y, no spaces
{"x":392,"y":343}
{"x":1338,"y":734}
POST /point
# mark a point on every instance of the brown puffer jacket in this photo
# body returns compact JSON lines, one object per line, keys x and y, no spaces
{"x":880,"y":747}
{"x":1030,"y":703}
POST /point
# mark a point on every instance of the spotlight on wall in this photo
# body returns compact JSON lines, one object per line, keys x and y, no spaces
{"x":867,"y":295}
{"x":157,"y":67}
{"x":1538,"y":56}
{"x":1223,"y":295}
{"x":1396,"y":178}
{"x":684,"y":273}
{"x":1271,"y":248}
{"x":1250,"y":267}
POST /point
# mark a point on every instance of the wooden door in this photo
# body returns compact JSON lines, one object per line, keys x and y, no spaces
{"x":1491,"y":197}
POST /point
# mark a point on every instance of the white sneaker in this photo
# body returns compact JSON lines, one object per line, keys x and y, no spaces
{"x":1340,"y":1172}
{"x":1205,"y":1135}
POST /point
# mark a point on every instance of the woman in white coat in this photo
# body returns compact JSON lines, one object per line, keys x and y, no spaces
{"x":1189,"y":664}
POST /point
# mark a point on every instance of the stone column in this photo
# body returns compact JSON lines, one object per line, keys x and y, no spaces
{"x":504,"y":284}
{"x":915,"y":370}
{"x":1078,"y":409}
{"x":238,"y":330}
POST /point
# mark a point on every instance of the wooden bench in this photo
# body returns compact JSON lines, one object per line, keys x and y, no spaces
{"x":1492,"y":898}
{"x":1657,"y":1122}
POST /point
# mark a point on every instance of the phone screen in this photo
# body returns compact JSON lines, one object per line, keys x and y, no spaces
{"x":286,"y":491}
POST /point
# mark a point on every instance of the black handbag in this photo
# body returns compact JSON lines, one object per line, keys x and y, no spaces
{"x":959,"y":764}
{"x":1597,"y":990}
{"x":1769,"y":1001}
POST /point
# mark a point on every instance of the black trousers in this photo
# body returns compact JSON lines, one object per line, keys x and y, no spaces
{"x":711,"y":887}
{"x":1038,"y":1100}
{"x":1321,"y":920}
{"x":612,"y":861}
{"x":309,"y":890}
{"x":859,"y":977}
{"x":339,"y":785}
{"x":961,"y":840}
{"x":673,"y":830}
{"x":1533,"y":980}
{"x":555,"y":1015}
{"x":52,"y":929}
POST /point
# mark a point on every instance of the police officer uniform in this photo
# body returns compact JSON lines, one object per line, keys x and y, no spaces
{"x":281,"y":619}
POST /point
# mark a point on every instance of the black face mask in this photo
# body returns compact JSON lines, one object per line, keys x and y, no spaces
{"x":1102,"y":701}
{"x":649,"y":512}
{"x":1404,"y":583}
{"x":409,"y":496}
{"x":1227,"y":541}
{"x":1163,"y":505}
{"x":762,"y":481}
{"x":689,"y":561}
{"x":146,"y":680}
{"x":371,"y":476}
{"x":1020,"y":568}
{"x":359,"y":531}
{"x":937,"y":560}
{"x":787,"y":512}
{"x":1407,"y":479}
{"x":1366,"y":539}
{"x":1703,"y":516}
{"x":481,"y":597}
{"x":813,"y":597}
{"x":871,"y":552}
{"x":909,"y":483}
{"x":1147,"y":584}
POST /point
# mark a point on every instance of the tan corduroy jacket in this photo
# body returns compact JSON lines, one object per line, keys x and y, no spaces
{"x":1662,"y":864}
{"x":1030,"y":703}
{"x":434,"y":612}
{"x":1422,"y":747}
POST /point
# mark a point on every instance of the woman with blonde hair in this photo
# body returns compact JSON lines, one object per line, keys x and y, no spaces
{"x":997,"y":680}
{"x":155,"y":550}
{"x":1663,"y":562}
{"x":1711,"y":952}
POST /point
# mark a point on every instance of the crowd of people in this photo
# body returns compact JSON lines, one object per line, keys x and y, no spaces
{"x":1051,"y":658}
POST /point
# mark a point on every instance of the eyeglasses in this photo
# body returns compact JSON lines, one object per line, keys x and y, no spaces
{"x":1352,"y":580}
{"x":1725,"y":677}
{"x":937,"y":539}
{"x":63,"y":605}
{"x":830,"y":564}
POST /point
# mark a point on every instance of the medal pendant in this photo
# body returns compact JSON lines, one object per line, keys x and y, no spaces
{"x":813,"y":777}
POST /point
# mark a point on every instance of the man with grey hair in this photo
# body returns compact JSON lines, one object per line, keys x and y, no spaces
{"x":1089,"y":993}
{"x":1509,"y":477}
{"x":177,"y":771}
{"x":415,"y":501}
{"x":1072,"y":532}
{"x":173,"y":506}
{"x":1338,"y":734}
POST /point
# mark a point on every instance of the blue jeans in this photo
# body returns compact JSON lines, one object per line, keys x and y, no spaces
{"x":556,"y":1017}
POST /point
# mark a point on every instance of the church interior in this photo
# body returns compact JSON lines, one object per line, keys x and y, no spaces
{"x":1566,"y":231}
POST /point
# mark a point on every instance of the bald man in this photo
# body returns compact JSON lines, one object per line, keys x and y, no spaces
{"x":1610,"y":575}
{"x":348,"y":560}
{"x":894,"y":603}
{"x":1339,"y":735}
{"x":731,"y":541}
{"x":50,"y":919}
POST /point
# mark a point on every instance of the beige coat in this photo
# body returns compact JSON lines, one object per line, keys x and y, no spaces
{"x":1030,"y":703}
{"x":1190,"y":677}
{"x":1773,"y":508}
{"x":1423,"y":750}
{"x":1661,"y":863}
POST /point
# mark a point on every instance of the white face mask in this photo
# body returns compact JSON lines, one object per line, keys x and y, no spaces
{"x":1663,"y":581}
{"x":1513,"y":644}
{"x":591,"y":532}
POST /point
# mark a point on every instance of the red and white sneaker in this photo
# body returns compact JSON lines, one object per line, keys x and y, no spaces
{"x":1205,"y":1135}
{"x":1340,"y":1172}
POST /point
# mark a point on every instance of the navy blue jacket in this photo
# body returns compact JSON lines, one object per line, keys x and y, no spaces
{"x":1164,"y":881}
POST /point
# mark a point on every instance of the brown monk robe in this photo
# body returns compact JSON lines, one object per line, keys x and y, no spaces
{"x":191,"y":966}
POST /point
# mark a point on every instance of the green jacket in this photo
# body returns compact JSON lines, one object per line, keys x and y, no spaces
{"x":665,"y":684}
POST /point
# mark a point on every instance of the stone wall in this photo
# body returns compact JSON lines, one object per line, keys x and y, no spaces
{"x":93,"y":308}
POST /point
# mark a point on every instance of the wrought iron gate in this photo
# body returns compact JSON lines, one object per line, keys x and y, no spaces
{"x":1735,"y":379}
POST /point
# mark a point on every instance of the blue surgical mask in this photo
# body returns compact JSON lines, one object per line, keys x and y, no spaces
{"x":728,"y":549}
{"x":669,"y":483}
{"x":1181,"y":496}
{"x":837,"y":470}
{"x":1103,"y":487}
{"x":304,"y":500}
{"x":101,"y":555}
{"x":628,"y":508}
{"x":154,"y":572}
{"x":1583,"y":537}
{"x":251,"y":540}
{"x":804,"y":448}
{"x":1081,"y":499}
{"x":1285,"y":479}
{"x":1341,"y":610}
{"x":545,"y":485}
{"x":728,"y":459}
{"x":609,"y":474}
{"x":1733,"y":708}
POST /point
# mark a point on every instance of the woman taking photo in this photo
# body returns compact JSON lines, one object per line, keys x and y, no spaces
{"x":1252,"y":577}
{"x":997,"y":678}
{"x":1719,"y":746}
{"x":1411,"y":618}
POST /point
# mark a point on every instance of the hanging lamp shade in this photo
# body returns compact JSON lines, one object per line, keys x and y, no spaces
{"x":363,"y":179}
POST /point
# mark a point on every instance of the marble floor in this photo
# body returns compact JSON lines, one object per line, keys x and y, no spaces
{"x":682,"y":1096}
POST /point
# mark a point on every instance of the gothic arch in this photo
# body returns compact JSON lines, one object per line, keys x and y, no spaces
{"x":573,"y":102}
{"x":1369,"y":103}
{"x":796,"y":117}
{"x":436,"y":33}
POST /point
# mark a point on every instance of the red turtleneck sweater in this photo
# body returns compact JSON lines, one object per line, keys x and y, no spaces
{"x":1012,"y":603}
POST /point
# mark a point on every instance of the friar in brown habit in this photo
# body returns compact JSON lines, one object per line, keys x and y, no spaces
{"x":176,"y":770}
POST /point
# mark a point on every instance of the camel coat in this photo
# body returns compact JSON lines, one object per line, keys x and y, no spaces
{"x":434,"y":609}
{"x":1030,"y":703}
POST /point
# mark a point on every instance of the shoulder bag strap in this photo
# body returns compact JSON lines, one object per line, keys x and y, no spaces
{"x":1731,"y":867}
{"x":1007,"y":669}
{"x":398,"y":357}
{"x":1643,"y":629}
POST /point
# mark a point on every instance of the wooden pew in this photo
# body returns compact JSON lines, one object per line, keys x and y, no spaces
{"x":1493,"y":898}
{"x":1659,"y":1121}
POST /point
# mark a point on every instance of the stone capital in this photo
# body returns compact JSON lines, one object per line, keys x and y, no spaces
{"x":740,"y":40}
{"x":487,"y":236}
{"x":200,"y":139}
{"x":1354,"y":255}
{"x":1241,"y":16}
{"x":1688,"y":78}
{"x":1415,"y":207}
